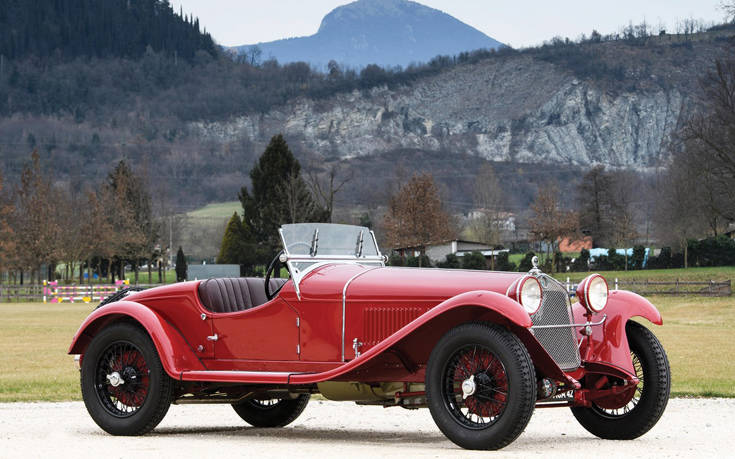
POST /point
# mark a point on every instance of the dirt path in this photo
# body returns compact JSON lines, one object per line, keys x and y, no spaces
{"x":689,"y":427}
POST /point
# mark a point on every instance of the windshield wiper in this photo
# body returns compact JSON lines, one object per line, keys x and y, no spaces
{"x":358,"y":246}
{"x":314,"y":243}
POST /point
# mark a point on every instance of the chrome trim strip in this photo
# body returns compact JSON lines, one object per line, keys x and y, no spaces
{"x":572,"y":325}
{"x":344,"y":302}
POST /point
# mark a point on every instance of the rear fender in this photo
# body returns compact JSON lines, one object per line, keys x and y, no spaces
{"x":609,"y":342}
{"x":175,"y":353}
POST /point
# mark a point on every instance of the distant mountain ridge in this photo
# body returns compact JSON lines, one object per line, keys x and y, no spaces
{"x":383,"y":32}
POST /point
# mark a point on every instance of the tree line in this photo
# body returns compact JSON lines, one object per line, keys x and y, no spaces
{"x":97,"y":232}
{"x":93,"y":28}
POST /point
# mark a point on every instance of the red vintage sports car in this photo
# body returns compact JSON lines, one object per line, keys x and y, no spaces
{"x":480,"y":349}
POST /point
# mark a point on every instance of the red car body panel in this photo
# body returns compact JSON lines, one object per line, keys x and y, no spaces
{"x":396,"y":315}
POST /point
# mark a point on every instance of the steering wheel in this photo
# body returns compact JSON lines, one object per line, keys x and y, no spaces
{"x":271,"y":267}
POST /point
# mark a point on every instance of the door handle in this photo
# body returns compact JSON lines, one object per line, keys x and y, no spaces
{"x":213,"y":337}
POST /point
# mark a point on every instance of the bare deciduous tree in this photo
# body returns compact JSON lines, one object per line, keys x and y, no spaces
{"x":325,"y":186}
{"x":677,"y":216}
{"x":415,"y":216}
{"x":7,"y":236}
{"x":549,"y":223}
{"x":35,"y":215}
{"x":489,"y":203}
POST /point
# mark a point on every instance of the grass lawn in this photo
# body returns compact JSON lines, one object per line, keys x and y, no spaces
{"x":217,"y":210}
{"x":697,"y":335}
{"x":35,"y":337}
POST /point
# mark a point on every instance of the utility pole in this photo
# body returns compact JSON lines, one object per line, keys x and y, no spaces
{"x":170,"y":240}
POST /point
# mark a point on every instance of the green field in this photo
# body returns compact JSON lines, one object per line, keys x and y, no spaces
{"x":35,"y":337}
{"x":217,"y":210}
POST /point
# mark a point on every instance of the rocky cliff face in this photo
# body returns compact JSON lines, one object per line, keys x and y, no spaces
{"x":614,"y":103}
{"x":520,"y":110}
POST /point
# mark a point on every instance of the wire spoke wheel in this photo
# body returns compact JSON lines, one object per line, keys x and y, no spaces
{"x":633,"y":413}
{"x":489,"y":396}
{"x":271,"y":412}
{"x":124,"y":386}
{"x":480,"y":386}
{"x":122,"y":379}
{"x":636,"y":395}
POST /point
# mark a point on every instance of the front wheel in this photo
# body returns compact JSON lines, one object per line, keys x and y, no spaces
{"x":649,"y":397}
{"x":124,"y":386}
{"x":480,"y":386}
{"x":277,"y":412}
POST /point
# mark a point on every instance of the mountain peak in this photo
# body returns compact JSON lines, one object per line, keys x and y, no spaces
{"x":383,"y":32}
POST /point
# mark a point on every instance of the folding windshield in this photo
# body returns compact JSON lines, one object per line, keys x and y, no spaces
{"x":307,"y":245}
{"x":319,"y":240}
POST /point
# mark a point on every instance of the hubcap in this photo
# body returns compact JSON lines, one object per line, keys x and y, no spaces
{"x":468,"y":387}
{"x":114,"y":379}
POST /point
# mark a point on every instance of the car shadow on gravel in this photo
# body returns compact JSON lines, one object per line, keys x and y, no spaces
{"x":305,"y":433}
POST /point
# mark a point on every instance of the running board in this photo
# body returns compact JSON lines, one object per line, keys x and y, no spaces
{"x":244,"y":377}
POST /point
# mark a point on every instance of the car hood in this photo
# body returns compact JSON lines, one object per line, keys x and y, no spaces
{"x":394,"y":283}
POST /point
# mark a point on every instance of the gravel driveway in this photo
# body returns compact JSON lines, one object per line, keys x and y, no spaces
{"x":689,"y":427}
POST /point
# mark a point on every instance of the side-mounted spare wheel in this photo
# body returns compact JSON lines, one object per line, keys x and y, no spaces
{"x":277,"y":412}
{"x":480,"y":386}
{"x":648,"y":401}
{"x":124,"y":385}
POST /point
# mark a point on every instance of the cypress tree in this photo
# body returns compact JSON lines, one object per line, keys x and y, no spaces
{"x":181,"y":267}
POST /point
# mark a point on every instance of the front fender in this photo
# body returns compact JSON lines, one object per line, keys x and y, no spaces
{"x":175,"y":353}
{"x":609,"y":342}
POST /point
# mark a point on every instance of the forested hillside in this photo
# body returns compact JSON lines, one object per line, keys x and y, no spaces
{"x":94,"y":28}
{"x":88,"y":83}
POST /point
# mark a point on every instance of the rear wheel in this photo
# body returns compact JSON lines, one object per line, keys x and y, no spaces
{"x":645,"y":405}
{"x":277,"y":412}
{"x":480,"y":386}
{"x":124,"y":386}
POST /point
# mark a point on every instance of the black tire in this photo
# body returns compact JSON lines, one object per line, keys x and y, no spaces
{"x":271,"y":413}
{"x":139,"y":403}
{"x":651,"y":396}
{"x":503,"y":376}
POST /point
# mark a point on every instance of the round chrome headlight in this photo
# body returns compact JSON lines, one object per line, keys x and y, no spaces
{"x":529,"y":294}
{"x":592,"y":293}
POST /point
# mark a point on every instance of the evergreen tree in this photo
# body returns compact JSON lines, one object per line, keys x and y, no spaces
{"x":238,"y":246}
{"x":181,"y":267}
{"x":231,"y":247}
{"x":279,"y":196}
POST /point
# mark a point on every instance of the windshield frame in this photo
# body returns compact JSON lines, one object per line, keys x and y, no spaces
{"x":317,"y":260}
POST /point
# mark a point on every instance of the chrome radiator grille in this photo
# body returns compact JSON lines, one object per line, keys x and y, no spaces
{"x":556,"y":309}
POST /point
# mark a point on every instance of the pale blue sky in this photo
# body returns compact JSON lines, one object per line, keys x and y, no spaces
{"x":517,"y":23}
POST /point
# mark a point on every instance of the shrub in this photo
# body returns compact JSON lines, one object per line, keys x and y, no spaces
{"x":474,"y":260}
{"x":525,"y":264}
{"x":450,"y":262}
{"x":502,"y":263}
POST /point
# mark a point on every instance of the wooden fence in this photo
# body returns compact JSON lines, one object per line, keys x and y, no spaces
{"x":675,"y":288}
{"x":12,"y":293}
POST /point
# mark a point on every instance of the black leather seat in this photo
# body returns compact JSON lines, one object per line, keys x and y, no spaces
{"x":232,"y":294}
